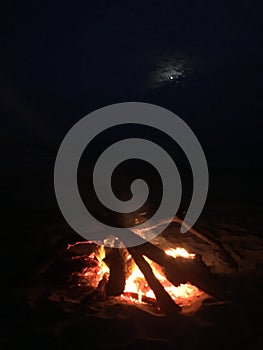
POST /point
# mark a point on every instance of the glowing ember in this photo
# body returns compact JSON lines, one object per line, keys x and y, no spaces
{"x":96,"y":268}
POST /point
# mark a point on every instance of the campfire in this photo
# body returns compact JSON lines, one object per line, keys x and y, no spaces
{"x":170,"y":279}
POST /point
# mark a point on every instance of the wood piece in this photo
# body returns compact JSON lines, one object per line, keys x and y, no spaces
{"x":100,"y":293}
{"x":164,"y":300}
{"x":181,"y":270}
{"x":116,"y":260}
{"x":225,"y":254}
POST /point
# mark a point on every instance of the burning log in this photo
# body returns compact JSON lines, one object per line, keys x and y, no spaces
{"x":116,"y":261}
{"x":165,"y":302}
{"x":181,"y":270}
{"x":212,"y":241}
{"x":100,"y":293}
{"x":226,"y":256}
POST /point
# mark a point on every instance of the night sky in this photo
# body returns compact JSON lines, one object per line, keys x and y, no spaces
{"x":60,"y":61}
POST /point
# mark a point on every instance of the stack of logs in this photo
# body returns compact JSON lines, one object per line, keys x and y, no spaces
{"x":177,"y":270}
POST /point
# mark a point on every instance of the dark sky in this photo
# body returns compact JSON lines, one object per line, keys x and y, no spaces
{"x":65,"y":58}
{"x":61,"y":60}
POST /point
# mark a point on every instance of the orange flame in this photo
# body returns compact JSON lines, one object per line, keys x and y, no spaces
{"x":179,"y":252}
{"x":182,"y":294}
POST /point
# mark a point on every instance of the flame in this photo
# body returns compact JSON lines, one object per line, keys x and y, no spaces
{"x":182,"y":294}
{"x":100,"y":255}
{"x":179,"y":252}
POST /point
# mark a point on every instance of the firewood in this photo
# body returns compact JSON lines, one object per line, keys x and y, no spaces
{"x":165,"y":302}
{"x":116,"y":261}
{"x":212,"y":241}
{"x":226,"y":256}
{"x":181,"y":270}
{"x":100,"y":293}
